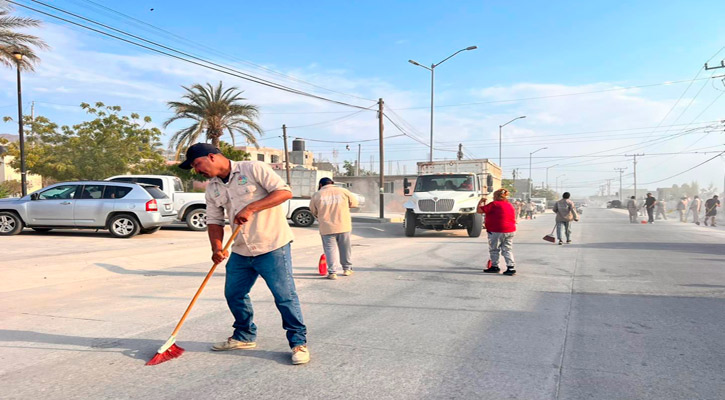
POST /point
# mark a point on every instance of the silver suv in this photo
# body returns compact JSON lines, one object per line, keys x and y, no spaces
{"x":125,"y":209}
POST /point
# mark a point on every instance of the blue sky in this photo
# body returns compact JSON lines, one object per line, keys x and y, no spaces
{"x":525,"y":49}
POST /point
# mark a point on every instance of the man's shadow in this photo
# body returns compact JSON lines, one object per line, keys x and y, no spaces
{"x":139,"y":349}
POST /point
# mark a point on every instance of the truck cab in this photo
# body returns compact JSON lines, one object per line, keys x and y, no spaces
{"x":447,"y":200}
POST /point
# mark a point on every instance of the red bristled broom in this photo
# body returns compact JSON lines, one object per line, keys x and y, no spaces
{"x":170,"y":350}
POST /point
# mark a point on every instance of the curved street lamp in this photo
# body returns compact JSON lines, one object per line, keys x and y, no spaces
{"x":556,"y":185}
{"x":547,"y":174}
{"x":530,"y":181}
{"x":432,"y":85}
{"x":500,"y":164}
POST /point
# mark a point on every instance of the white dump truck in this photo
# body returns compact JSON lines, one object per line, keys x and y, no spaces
{"x":446,"y":194}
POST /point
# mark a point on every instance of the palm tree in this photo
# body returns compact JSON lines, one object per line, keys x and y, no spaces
{"x":214,"y":111}
{"x":12,"y":41}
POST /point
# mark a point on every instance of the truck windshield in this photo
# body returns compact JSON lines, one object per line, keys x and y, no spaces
{"x":432,"y":183}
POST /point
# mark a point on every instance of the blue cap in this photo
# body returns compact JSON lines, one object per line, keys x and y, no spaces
{"x":198,"y":150}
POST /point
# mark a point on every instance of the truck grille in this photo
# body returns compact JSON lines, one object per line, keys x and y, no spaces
{"x":442,"y":205}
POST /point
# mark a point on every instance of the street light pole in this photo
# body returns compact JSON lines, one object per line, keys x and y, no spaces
{"x":547,"y":175}
{"x":23,"y":174}
{"x":432,"y":91}
{"x":500,"y":164}
{"x":531,"y":185}
{"x":556,"y":185}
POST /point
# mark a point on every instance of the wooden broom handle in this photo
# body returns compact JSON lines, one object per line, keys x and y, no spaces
{"x":203,"y":284}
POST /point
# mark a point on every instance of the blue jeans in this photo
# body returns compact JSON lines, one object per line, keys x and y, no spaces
{"x":567,"y":229}
{"x":275,"y":268}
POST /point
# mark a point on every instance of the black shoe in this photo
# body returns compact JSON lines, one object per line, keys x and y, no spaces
{"x":568,"y":242}
{"x":560,"y":243}
{"x":510,"y":272}
{"x":492,"y":270}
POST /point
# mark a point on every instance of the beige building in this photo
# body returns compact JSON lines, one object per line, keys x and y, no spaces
{"x":7,"y":173}
{"x":264,"y":154}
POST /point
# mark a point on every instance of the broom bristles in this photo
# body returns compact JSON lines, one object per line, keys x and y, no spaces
{"x":172,"y":352}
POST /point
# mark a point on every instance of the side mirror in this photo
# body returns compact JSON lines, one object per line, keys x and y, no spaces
{"x":489,"y":183}
{"x":406,"y":187}
{"x":34,"y":196}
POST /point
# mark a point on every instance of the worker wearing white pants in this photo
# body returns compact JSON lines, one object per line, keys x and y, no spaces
{"x":695,"y":207}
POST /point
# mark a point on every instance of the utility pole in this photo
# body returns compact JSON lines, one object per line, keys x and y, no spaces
{"x":620,"y":170}
{"x":609,"y":187}
{"x":382,"y":156}
{"x":722,"y":65}
{"x":460,"y":151}
{"x":635,"y":170}
{"x":286,"y":154}
{"x":357,"y":167}
{"x":32,"y":118}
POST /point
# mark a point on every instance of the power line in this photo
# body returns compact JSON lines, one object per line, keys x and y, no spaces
{"x":212,"y":50}
{"x":211,"y":66}
{"x":554,"y":95}
{"x":687,"y":170}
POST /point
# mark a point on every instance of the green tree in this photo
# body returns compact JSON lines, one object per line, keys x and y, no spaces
{"x":214,"y":111}
{"x":231,"y":153}
{"x":508,"y":184}
{"x":110,"y":144}
{"x":12,"y":41}
{"x":10,"y":189}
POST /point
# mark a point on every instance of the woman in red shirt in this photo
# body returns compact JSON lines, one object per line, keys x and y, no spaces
{"x":500,"y":225}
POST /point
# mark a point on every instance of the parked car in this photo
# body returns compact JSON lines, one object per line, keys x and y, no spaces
{"x":190,"y":207}
{"x":125,"y":209}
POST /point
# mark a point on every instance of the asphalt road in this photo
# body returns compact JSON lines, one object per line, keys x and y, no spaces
{"x":628,"y":311}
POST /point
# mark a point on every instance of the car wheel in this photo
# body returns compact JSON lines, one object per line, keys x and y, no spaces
{"x":303,"y":218}
{"x":124,"y":226}
{"x":10,"y":223}
{"x":196,"y":219}
{"x":150,"y":230}
{"x":42,"y":230}
{"x":409,"y":223}
{"x":476,"y":227}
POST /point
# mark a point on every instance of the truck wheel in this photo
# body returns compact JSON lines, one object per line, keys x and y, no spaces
{"x":476,"y":226}
{"x":196,"y":219}
{"x":303,"y":218}
{"x":409,"y":223}
{"x":124,"y":226}
{"x":10,"y":224}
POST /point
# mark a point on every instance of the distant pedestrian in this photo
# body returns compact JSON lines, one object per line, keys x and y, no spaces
{"x":501,"y":227}
{"x":711,"y":206}
{"x":632,"y":208}
{"x":661,"y":212}
{"x":529,"y":209}
{"x":331,"y":206}
{"x":565,"y":213}
{"x":517,"y":209}
{"x":695,"y":207}
{"x":649,"y":204}
{"x":681,"y":209}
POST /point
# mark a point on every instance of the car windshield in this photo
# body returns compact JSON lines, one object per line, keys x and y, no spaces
{"x":432,"y":183}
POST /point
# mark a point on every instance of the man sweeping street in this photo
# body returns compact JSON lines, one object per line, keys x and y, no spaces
{"x":565,"y":213}
{"x":649,"y":204}
{"x":251,"y":193}
{"x":331,"y":206}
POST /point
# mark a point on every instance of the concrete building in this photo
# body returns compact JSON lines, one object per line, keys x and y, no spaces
{"x":264,"y":154}
{"x":7,"y":173}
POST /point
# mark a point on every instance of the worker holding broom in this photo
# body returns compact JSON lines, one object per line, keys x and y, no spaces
{"x":251,"y":193}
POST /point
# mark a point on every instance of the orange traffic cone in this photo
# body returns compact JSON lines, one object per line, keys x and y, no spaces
{"x":322,"y":266}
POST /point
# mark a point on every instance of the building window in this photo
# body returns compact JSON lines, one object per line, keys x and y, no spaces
{"x":260,"y":157}
{"x":275,"y":159}
{"x":388,"y":187}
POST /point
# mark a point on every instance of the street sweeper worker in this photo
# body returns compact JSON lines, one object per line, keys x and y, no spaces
{"x":331,"y":206}
{"x":501,"y":227}
{"x":251,"y":194}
